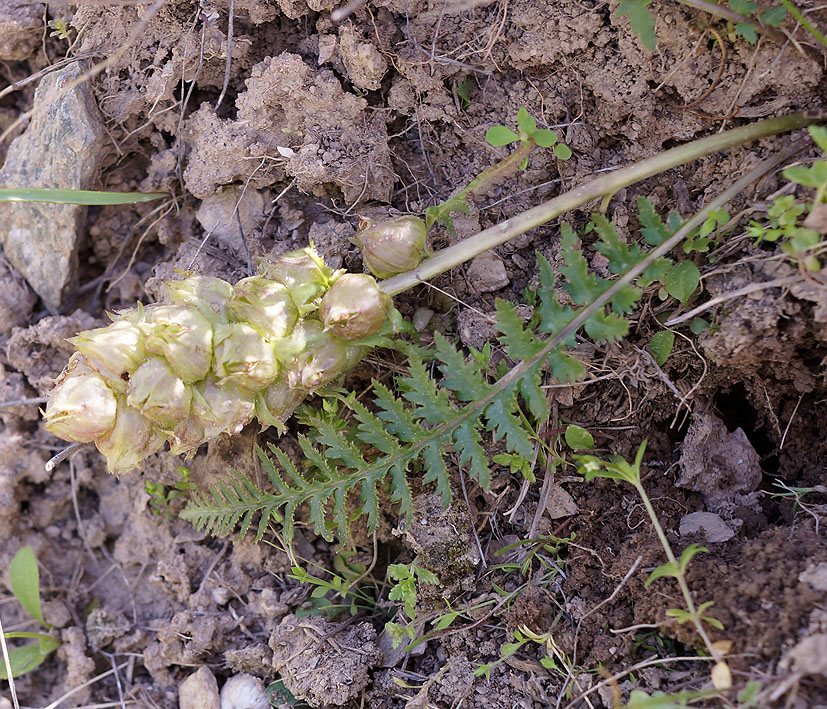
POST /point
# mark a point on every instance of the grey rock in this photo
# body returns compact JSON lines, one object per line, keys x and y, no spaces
{"x":486,"y":273}
{"x":21,"y":27}
{"x":710,"y":525}
{"x":217,"y":216}
{"x":61,"y":148}
{"x":199,"y":691}
{"x":243,"y":692}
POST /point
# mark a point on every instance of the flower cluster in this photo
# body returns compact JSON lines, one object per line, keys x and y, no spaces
{"x":214,"y":357}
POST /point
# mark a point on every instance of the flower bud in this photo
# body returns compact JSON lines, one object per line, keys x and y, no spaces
{"x":158,"y":393}
{"x":303,"y":272}
{"x":182,"y":335}
{"x":277,"y":403}
{"x":114,"y":351}
{"x":320,"y":361}
{"x":245,"y":356}
{"x":210,"y":295}
{"x":132,"y":438}
{"x":265,"y":304}
{"x":81,"y":407}
{"x":392,"y":246}
{"x":221,"y":408}
{"x":354,"y":307}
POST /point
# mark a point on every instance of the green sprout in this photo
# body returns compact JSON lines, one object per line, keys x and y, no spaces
{"x":24,"y":579}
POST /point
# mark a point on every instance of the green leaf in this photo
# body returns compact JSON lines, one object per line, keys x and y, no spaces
{"x":426,"y":576}
{"x":500,"y":135}
{"x":807,"y":176}
{"x":525,"y":122}
{"x":688,"y":554}
{"x":642,"y":21}
{"x":819,"y":135}
{"x":743,"y":7}
{"x":638,"y":699}
{"x":749,"y":694}
{"x":89,"y":197}
{"x":698,"y":325}
{"x":682,"y":280}
{"x":747,"y":31}
{"x":446,"y":620}
{"x":578,"y":438}
{"x":24,"y":659}
{"x":773,"y":16}
{"x":562,"y":151}
{"x":544,"y":137}
{"x":654,"y":231}
{"x":668,"y":569}
{"x":660,"y":346}
{"x":24,"y":578}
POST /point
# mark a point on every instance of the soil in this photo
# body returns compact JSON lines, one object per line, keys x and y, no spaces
{"x":384,"y":112}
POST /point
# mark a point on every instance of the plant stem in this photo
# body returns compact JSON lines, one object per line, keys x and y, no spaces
{"x":805,"y":23}
{"x":607,"y":184}
{"x":679,"y":574}
{"x":732,"y":16}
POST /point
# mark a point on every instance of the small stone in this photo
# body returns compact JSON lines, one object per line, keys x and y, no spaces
{"x":327,"y":47}
{"x":816,"y":576}
{"x":486,"y":273}
{"x":710,"y":525}
{"x":560,"y":503}
{"x":809,"y":656}
{"x":199,"y":691}
{"x":61,"y":148}
{"x":243,"y":692}
{"x":217,"y":215}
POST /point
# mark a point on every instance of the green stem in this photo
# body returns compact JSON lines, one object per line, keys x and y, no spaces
{"x":805,"y":23}
{"x":727,"y":14}
{"x":679,"y":575}
{"x":607,"y":184}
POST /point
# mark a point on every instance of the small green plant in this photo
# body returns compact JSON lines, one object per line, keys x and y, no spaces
{"x":745,"y":18}
{"x":620,"y":470}
{"x":404,"y":588}
{"x":342,"y":585}
{"x":161,"y":496}
{"x":24,"y":578}
{"x":798,"y":240}
{"x":528,"y":135}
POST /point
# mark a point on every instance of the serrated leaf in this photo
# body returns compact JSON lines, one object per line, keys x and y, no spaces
{"x":773,"y":16}
{"x":606,"y":327}
{"x":660,"y":346}
{"x":654,"y":231}
{"x":642,"y":21}
{"x":500,"y":135}
{"x":819,"y":135}
{"x":743,"y":7}
{"x":467,"y":440}
{"x":504,"y":424}
{"x":747,"y":31}
{"x":426,"y":576}
{"x":682,"y":280}
{"x":435,"y":471}
{"x":578,"y":438}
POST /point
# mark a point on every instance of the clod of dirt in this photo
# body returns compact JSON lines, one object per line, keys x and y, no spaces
{"x":709,"y":525}
{"x":364,"y":64}
{"x":41,"y":351}
{"x":243,"y":692}
{"x":327,"y":136}
{"x":717,"y":463}
{"x":16,"y":298}
{"x":808,"y":657}
{"x":13,"y":388}
{"x":61,"y":148}
{"x":21,"y":27}
{"x":217,"y":215}
{"x":323,"y":663}
{"x":297,"y":8}
{"x":104,"y":626}
{"x":199,"y":691}
{"x":816,"y":576}
{"x":442,"y":539}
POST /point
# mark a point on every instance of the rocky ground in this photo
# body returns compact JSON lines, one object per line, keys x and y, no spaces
{"x":319,"y":123}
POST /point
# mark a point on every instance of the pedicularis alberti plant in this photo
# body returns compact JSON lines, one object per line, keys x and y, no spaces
{"x":217,"y":355}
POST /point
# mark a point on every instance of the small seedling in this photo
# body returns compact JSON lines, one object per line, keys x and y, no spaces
{"x":160,"y":496}
{"x":406,"y":576}
{"x":527,"y":137}
{"x":24,"y":579}
{"x":621,"y":470}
